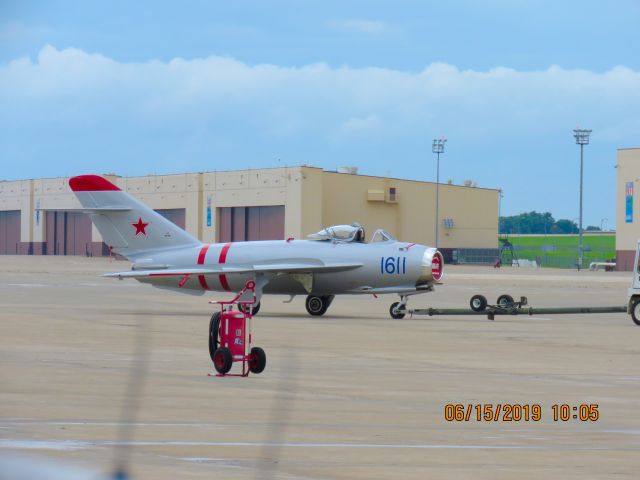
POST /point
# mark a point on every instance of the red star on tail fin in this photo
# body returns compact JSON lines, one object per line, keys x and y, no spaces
{"x":140,"y":227}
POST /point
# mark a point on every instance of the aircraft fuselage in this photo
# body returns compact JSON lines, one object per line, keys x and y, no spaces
{"x":385,"y":267}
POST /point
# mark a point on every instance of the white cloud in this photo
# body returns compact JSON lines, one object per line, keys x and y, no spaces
{"x":360,"y":25}
{"x":77,"y":108}
{"x":75,"y":86}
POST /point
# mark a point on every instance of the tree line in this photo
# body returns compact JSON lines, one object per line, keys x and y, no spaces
{"x":541,"y":223}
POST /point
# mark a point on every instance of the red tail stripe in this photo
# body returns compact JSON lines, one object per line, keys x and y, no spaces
{"x":221,"y":260}
{"x":201,"y":257}
{"x":91,"y":183}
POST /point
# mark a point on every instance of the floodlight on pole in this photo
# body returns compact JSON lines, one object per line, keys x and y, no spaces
{"x":602,"y":224}
{"x":582,"y":139}
{"x":438,"y":148}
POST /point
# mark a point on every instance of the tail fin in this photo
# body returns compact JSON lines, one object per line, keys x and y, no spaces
{"x":128,"y":226}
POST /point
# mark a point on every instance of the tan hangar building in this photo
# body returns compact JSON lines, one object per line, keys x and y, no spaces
{"x":627,"y":207}
{"x":262,"y":204}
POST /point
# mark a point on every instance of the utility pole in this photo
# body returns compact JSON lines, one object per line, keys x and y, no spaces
{"x":438,"y":148}
{"x":582,"y":139}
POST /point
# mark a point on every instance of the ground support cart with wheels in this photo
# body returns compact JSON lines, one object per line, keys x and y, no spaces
{"x":230,"y":335}
{"x":505,"y":305}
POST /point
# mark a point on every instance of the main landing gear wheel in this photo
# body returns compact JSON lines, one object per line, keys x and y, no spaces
{"x":255,"y":308}
{"x":504,"y":300}
{"x":635,"y":312}
{"x":257,"y":360}
{"x":395,"y":314}
{"x":478,"y":303}
{"x":222,"y":360}
{"x":214,"y":329}
{"x":318,"y":305}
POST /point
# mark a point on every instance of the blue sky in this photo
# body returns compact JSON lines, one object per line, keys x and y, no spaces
{"x":153,"y":87}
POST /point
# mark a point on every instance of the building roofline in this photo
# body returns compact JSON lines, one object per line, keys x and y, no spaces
{"x":629,"y":148}
{"x":411,"y":180}
{"x":217,"y":171}
{"x":111,"y":174}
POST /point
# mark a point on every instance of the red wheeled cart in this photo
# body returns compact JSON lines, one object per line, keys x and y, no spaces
{"x":230,"y":336}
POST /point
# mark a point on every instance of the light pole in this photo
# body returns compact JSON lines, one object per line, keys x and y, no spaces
{"x":582,"y":139}
{"x":438,"y":148}
{"x":602,"y":224}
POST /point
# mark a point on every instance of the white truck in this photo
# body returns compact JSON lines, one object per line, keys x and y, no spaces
{"x":633,"y":307}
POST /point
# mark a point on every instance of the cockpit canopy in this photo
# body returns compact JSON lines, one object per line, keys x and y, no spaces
{"x":340,"y":233}
{"x":350,"y":233}
{"x":382,"y":235}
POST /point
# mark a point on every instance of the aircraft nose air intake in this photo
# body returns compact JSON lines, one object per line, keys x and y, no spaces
{"x":432,"y":267}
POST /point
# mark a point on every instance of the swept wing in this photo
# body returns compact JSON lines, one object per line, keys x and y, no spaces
{"x":272,"y":267}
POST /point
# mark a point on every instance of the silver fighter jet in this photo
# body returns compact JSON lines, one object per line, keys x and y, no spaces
{"x":333,"y":261}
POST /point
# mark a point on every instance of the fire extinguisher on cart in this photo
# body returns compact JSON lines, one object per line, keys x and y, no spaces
{"x":230,"y":336}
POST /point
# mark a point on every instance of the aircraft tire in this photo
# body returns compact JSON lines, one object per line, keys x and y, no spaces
{"x":257,"y":360}
{"x":254,"y":309}
{"x":222,"y":360}
{"x":214,"y":328}
{"x":505,"y":300}
{"x":317,"y":306}
{"x":635,"y":312}
{"x":478,"y":303}
{"x":393,"y":313}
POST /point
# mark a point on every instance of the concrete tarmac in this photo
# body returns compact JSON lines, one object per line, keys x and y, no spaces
{"x":352,"y":394}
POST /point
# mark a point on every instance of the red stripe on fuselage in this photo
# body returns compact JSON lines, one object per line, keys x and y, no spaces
{"x":201,"y":256}
{"x":221,"y":260}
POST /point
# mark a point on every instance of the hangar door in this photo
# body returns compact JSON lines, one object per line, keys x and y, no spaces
{"x":10,"y":232}
{"x":176,"y":215}
{"x":68,"y":233}
{"x":239,"y":224}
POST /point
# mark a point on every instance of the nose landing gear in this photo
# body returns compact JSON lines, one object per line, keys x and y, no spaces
{"x":398,"y":310}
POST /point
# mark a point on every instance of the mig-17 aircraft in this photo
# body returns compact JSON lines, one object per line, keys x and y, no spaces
{"x":334,"y":261}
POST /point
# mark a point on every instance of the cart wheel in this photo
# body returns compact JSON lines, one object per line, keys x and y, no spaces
{"x":505,"y":300}
{"x":255,"y":308}
{"x":635,"y":312}
{"x":393,"y":313}
{"x":316,"y":306}
{"x":478,"y":303}
{"x":214,"y":328}
{"x":222,"y":360}
{"x":257,"y":360}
